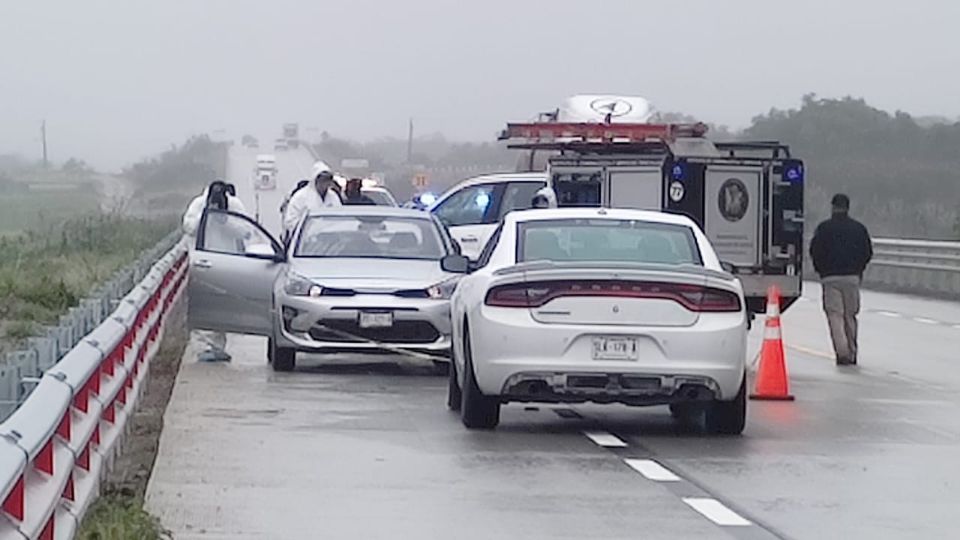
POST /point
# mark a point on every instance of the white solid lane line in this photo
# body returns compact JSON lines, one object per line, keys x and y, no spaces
{"x":716,"y":512}
{"x":604,"y":439}
{"x":652,"y":470}
{"x":924,"y":320}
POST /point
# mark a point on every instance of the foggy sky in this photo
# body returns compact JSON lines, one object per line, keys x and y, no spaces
{"x":119,"y":80}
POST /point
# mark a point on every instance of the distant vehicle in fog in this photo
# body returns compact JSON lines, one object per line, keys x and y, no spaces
{"x":265,"y":172}
{"x":380,"y":195}
{"x":280,"y":145}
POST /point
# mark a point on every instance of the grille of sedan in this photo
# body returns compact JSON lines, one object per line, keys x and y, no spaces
{"x":400,"y":332}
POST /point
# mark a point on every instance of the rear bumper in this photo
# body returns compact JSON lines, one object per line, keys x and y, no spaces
{"x":510,"y":350}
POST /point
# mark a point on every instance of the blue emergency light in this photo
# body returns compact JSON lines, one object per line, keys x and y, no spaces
{"x":793,"y":173}
{"x":679,"y":170}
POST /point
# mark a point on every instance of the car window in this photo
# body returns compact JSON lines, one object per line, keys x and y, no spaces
{"x":607,"y":240}
{"x":518,"y":196}
{"x":489,"y":247}
{"x":370,"y":237}
{"x":469,"y":206}
{"x":229,"y":233}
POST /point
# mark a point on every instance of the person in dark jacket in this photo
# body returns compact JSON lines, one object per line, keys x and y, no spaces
{"x":841,"y":249}
{"x":353,"y":194}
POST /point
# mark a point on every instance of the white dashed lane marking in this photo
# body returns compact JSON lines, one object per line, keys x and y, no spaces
{"x":716,"y":512}
{"x":652,"y":470}
{"x":891,"y":314}
{"x":924,"y":320}
{"x":604,"y":439}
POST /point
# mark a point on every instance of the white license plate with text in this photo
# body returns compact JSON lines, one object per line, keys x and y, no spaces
{"x":615,"y":348}
{"x":369,"y":319}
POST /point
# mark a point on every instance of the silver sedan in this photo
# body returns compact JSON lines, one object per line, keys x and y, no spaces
{"x":356,"y":278}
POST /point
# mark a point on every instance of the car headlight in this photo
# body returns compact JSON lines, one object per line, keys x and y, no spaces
{"x":297,"y":285}
{"x":442,"y":290}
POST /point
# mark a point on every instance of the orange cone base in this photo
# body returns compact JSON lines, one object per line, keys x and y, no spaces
{"x":776,"y":397}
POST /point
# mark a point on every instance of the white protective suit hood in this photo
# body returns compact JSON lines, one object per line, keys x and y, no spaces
{"x":548,"y":194}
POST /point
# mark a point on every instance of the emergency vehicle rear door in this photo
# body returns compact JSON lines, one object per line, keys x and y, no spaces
{"x":732,"y":212}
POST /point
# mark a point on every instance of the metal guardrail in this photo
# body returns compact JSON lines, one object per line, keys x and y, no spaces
{"x":915,"y":266}
{"x":87,"y":375}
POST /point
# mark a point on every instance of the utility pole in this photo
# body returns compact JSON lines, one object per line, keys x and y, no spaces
{"x":43,"y":137}
{"x":410,"y":143}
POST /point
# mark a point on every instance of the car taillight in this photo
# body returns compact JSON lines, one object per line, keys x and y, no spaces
{"x":535,"y":294}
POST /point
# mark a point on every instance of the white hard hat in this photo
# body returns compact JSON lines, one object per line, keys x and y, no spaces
{"x":320,"y":167}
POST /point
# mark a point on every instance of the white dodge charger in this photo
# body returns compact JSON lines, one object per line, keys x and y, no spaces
{"x":577,"y":305}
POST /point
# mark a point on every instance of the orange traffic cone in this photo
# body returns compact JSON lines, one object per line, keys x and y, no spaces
{"x":772,"y":382}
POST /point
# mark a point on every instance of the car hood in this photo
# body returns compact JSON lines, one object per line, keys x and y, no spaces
{"x":371,"y":274}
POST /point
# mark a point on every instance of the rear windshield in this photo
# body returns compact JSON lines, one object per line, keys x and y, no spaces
{"x":378,"y":237}
{"x":612,"y":240}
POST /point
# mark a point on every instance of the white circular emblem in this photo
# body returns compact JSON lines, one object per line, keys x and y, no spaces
{"x":612,"y":106}
{"x":676,"y":191}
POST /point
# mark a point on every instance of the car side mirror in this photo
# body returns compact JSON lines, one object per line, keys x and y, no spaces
{"x":263,"y":251}
{"x":729,"y":267}
{"x":455,"y":264}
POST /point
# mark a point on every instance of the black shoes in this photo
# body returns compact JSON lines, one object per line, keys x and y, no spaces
{"x":846,"y":361}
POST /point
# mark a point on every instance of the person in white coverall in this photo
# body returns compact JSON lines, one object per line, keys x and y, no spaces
{"x":322,"y":194}
{"x":216,"y":195}
{"x":544,"y":198}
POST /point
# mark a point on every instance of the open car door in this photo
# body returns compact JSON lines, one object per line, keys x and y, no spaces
{"x":232,"y":273}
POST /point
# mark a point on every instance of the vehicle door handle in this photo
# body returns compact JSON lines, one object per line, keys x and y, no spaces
{"x":202,"y":264}
{"x":469,"y":239}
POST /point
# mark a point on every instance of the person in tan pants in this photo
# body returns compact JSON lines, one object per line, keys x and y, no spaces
{"x":841,"y":249}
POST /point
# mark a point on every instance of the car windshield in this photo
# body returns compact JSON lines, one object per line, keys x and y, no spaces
{"x":382,"y":198}
{"x":370,"y":237}
{"x":613,"y":240}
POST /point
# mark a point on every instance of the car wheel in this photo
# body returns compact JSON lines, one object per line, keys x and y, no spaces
{"x":684,"y":411}
{"x":454,"y":396}
{"x":728,"y":417}
{"x":269,"y":350}
{"x":441,"y":367}
{"x":282,"y":358}
{"x":476,"y":410}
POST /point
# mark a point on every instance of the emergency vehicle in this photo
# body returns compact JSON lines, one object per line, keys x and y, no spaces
{"x":746,"y":196}
{"x":265,"y":172}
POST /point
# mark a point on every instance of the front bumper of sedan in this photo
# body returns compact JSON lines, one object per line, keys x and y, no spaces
{"x":332,"y":324}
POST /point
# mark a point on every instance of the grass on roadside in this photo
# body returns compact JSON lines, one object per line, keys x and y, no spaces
{"x":120,"y":517}
{"x":45,"y":272}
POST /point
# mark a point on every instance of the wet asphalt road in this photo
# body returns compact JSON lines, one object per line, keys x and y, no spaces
{"x":350,"y":447}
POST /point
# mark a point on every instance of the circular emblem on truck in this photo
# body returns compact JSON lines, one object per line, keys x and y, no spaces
{"x":733,"y":200}
{"x":613,"y":107}
{"x":676,"y":191}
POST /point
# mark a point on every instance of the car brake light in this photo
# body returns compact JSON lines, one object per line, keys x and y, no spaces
{"x":696,"y":298}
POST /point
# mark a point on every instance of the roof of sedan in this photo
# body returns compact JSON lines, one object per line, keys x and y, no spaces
{"x":371,"y":210}
{"x":598,"y":213}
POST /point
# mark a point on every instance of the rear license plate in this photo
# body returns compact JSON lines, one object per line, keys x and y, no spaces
{"x":371,"y":319}
{"x":614,"y":348}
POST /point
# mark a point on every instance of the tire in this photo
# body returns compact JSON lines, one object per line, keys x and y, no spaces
{"x":441,"y":367}
{"x":269,"y":350}
{"x":454,"y":396}
{"x":282,"y":358}
{"x":684,"y":411}
{"x":477,"y":411}
{"x":728,"y":417}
